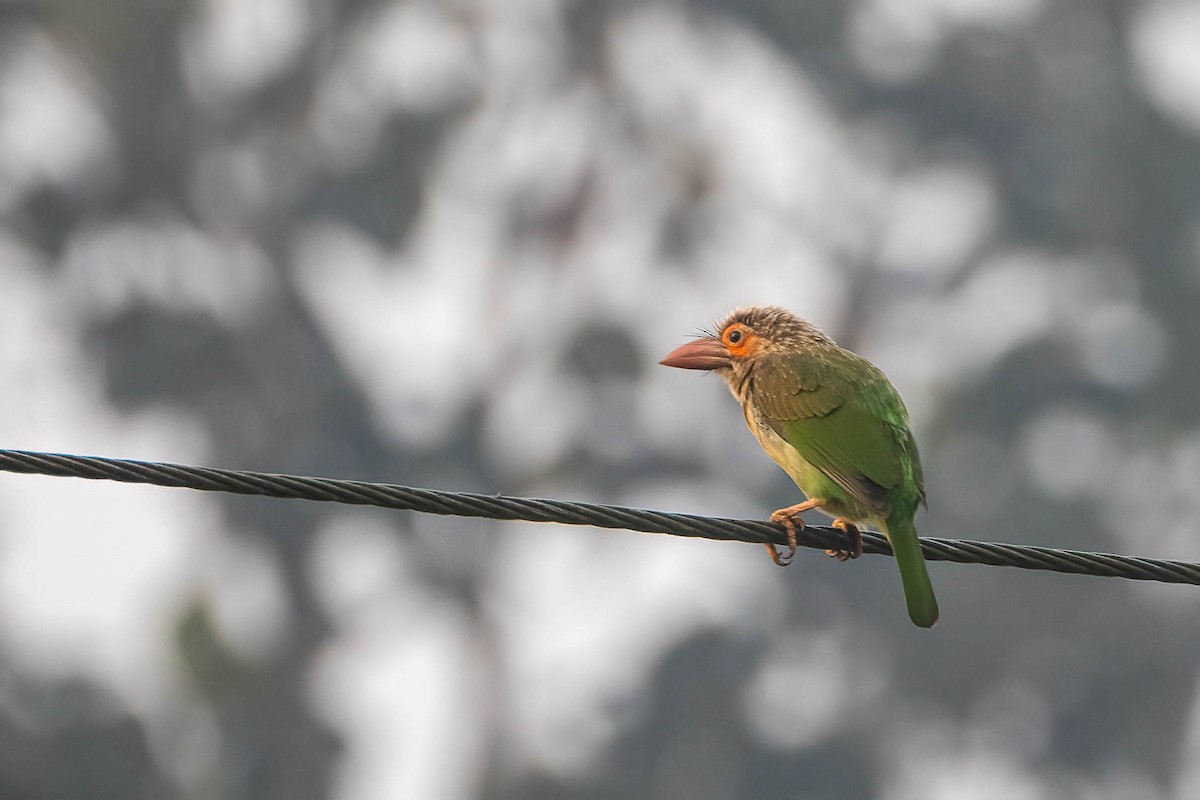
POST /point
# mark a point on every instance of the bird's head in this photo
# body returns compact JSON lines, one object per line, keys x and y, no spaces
{"x":743,"y":336}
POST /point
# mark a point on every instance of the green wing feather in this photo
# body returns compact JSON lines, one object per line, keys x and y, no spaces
{"x":846,"y":430}
{"x":842,"y":415}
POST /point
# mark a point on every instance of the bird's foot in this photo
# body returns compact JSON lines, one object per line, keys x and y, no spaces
{"x":854,"y":540}
{"x":790,"y":519}
{"x":790,"y":524}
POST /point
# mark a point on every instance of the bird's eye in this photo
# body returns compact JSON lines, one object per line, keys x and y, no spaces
{"x":735,"y":336}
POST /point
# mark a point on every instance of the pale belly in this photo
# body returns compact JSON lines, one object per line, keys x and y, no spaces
{"x":815,"y":484}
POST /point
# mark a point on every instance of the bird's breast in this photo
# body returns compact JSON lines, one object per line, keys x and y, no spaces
{"x":782,"y":453}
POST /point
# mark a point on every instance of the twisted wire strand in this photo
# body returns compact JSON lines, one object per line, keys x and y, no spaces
{"x":566,"y":512}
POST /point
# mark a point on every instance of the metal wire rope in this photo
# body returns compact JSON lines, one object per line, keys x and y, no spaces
{"x":566,"y":512}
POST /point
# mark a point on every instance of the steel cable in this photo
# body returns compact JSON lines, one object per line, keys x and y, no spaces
{"x":566,"y":512}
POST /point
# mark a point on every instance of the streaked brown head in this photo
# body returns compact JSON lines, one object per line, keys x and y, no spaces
{"x":742,"y":336}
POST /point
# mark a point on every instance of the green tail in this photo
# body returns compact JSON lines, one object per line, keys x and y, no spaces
{"x":918,"y":591}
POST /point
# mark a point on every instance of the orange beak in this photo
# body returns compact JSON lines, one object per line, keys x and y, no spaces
{"x":706,"y":353}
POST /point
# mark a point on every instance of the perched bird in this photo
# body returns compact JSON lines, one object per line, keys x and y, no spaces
{"x":836,"y":426}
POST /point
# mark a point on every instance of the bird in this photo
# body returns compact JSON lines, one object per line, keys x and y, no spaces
{"x":834,"y":423}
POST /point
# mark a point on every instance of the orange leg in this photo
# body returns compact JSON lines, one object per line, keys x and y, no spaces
{"x":790,"y":519}
{"x":853,"y":539}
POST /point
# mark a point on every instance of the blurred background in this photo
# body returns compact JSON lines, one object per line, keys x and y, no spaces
{"x":444,"y":244}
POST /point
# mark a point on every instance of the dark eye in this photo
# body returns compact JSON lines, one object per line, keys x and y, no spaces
{"x":735,"y":336}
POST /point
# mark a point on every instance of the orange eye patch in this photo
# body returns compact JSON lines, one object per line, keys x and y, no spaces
{"x":739,"y":339}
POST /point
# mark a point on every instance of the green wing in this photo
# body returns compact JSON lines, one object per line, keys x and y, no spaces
{"x":914,"y":458}
{"x":843,"y":417}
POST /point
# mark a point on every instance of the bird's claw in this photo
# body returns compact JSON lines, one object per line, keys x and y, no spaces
{"x":854,"y":540}
{"x":791,"y":522}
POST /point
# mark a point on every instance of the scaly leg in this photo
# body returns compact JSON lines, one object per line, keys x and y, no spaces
{"x":789,"y":518}
{"x":853,"y":538}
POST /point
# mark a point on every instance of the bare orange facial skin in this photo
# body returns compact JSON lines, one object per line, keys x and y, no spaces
{"x":740,"y":340}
